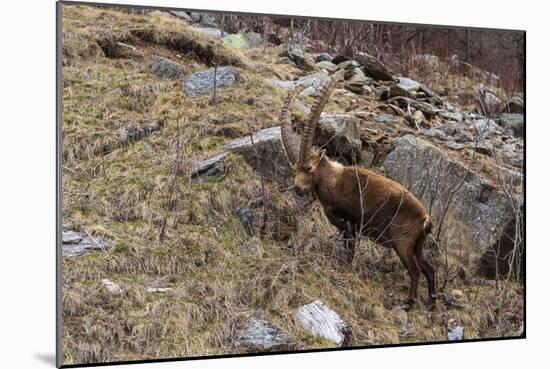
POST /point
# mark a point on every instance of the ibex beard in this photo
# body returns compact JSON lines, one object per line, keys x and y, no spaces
{"x":358,"y":201}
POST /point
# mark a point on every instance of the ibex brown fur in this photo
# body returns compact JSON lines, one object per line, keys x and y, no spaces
{"x":359,"y":201}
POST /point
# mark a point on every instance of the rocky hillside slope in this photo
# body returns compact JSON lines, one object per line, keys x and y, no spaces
{"x":183,"y":237}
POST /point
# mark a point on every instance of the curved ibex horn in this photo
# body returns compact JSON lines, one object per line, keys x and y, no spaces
{"x":290,"y":139}
{"x":314,"y":115}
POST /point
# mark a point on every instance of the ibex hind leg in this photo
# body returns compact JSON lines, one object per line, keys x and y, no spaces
{"x":405,"y":251}
{"x":427,"y":269}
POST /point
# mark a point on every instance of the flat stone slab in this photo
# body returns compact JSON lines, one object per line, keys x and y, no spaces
{"x":76,"y":244}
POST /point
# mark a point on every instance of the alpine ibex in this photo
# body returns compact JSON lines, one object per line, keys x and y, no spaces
{"x":359,"y":201}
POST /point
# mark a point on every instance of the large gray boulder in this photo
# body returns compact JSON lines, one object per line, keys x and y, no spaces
{"x":200,"y":83}
{"x":475,"y":211}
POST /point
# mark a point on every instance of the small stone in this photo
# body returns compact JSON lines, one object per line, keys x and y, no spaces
{"x":457,"y":294}
{"x":328,"y":66}
{"x":323,"y":57}
{"x":455,"y":332}
{"x":166,"y":69}
{"x":112,"y":287}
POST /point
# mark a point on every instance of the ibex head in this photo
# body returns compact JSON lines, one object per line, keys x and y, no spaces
{"x":305,"y":160}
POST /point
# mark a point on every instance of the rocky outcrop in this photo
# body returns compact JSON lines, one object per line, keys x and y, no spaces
{"x":475,"y":211}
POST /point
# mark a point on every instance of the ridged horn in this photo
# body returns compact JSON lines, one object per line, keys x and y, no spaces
{"x":290,"y":139}
{"x":314,"y":115}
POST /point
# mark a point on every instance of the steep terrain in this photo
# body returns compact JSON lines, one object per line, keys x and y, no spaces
{"x":184,"y":252}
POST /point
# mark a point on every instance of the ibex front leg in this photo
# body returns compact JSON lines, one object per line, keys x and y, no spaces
{"x":348,"y":232}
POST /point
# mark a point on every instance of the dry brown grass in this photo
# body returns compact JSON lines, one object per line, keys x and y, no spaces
{"x":119,"y":190}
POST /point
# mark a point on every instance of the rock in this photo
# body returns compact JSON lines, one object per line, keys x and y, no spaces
{"x":243,"y":41}
{"x":285,"y":60}
{"x":348,"y":65}
{"x":514,"y":122}
{"x":200,"y":83}
{"x":515,"y":105}
{"x":316,"y":80}
{"x":457,"y":294}
{"x":380,"y":118}
{"x":455,"y":332}
{"x":478,"y":212}
{"x":112,"y":287}
{"x":254,"y":332}
{"x":195,"y":16}
{"x":253,"y":247}
{"x":458,"y":131}
{"x":211,"y":32}
{"x":134,"y":132}
{"x":181,"y":14}
{"x":266,"y":155}
{"x":488,"y":101}
{"x":396,"y":90}
{"x":321,"y":321}
{"x":339,"y":134}
{"x":254,"y":39}
{"x":213,"y":168}
{"x":454,"y":116}
{"x":153,"y":289}
{"x":203,"y":18}
{"x":434,"y":133}
{"x":77,"y":244}
{"x":455,"y":145}
{"x":328,"y":66}
{"x":236,"y":41}
{"x":355,"y":87}
{"x":71,"y":237}
{"x":245,"y":215}
{"x":486,"y":127}
{"x":323,"y":57}
{"x":408,"y":84}
{"x":374,"y":67}
{"x":166,"y":69}
{"x":298,"y":56}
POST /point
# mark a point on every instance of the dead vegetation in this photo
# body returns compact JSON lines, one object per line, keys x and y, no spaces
{"x":124,"y":188}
